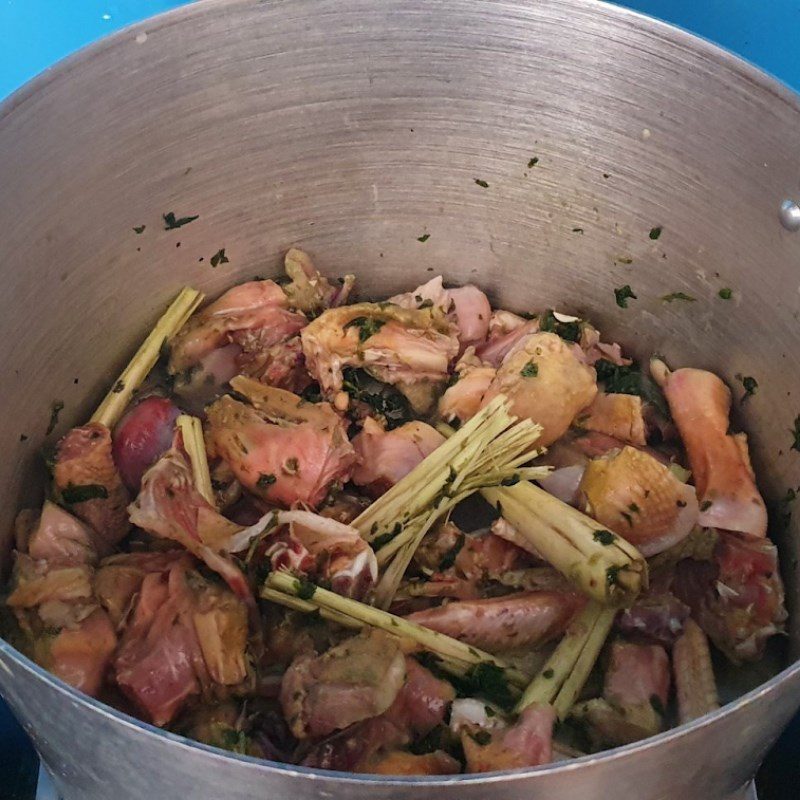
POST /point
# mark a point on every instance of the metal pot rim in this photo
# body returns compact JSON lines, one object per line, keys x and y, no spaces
{"x":676,"y":35}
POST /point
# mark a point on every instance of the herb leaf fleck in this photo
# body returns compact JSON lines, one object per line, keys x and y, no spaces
{"x":623,"y":294}
{"x":171,"y":222}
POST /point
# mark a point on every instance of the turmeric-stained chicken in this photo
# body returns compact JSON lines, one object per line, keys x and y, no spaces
{"x":281,"y":546}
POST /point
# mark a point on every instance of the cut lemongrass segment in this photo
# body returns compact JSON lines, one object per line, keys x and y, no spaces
{"x":601,"y":564}
{"x":297,"y":604}
{"x":488,"y":451}
{"x":448,"y":649}
{"x":193,"y":442}
{"x":173,"y":319}
{"x":695,"y":683}
{"x":560,"y":680}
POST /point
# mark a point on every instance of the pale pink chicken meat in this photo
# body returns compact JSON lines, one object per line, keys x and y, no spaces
{"x":142,"y":436}
{"x":504,"y":623}
{"x":285,"y":450}
{"x":545,"y":383}
{"x":526,"y":743}
{"x":384,"y":457}
{"x":57,"y":537}
{"x":636,"y":674}
{"x":310,"y":291}
{"x":506,"y":330}
{"x":471,"y":378}
{"x":355,"y":680}
{"x":407,"y":348}
{"x":617,"y":415}
{"x":87,"y":480}
{"x":170,"y":506}
{"x":700,"y":405}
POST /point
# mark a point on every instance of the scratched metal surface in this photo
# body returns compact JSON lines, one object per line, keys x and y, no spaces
{"x":350,"y":129}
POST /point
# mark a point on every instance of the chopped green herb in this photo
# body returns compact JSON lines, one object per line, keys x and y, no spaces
{"x":481,"y":737}
{"x":624,"y":259}
{"x":384,"y":400}
{"x":671,"y":298}
{"x":604,"y":537}
{"x":425,"y":304}
{"x":569,"y":331}
{"x":796,"y":433}
{"x":424,"y":238}
{"x":489,"y":680}
{"x":627,"y":517}
{"x":265,"y":480}
{"x":449,"y":558}
{"x":629,"y":379}
{"x":171,"y":222}
{"x":512,"y":480}
{"x":367,"y":327}
{"x":55,"y":410}
{"x":138,"y":228}
{"x":532,"y":162}
{"x":383,"y":539}
{"x":725,"y":293}
{"x":23,"y":437}
{"x":657,"y":705}
{"x":489,"y":711}
{"x":655,"y":233}
{"x":623,"y":294}
{"x":305,"y":588}
{"x":118,"y":386}
{"x":612,"y":575}
{"x":577,"y":230}
{"x":750,"y":385}
{"x":80,"y":494}
{"x":530,"y":370}
{"x":632,"y":507}
{"x":219,"y":258}
{"x":291,"y":466}
{"x":548,"y":673}
{"x":481,"y":183}
{"x":705,"y":505}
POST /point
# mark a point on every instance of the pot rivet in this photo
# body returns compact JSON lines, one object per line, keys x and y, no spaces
{"x":790,"y":215}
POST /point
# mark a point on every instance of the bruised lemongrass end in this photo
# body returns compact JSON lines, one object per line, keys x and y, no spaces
{"x":489,"y":450}
{"x":121,"y":393}
{"x":194,"y":444}
{"x":695,"y":684}
{"x":606,"y":568}
{"x":455,"y":655}
{"x":560,"y":680}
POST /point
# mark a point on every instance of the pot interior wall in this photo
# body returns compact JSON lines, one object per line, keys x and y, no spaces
{"x":353,"y":130}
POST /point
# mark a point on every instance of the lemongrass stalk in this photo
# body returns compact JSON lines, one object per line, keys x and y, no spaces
{"x":173,"y":319}
{"x":193,"y":442}
{"x":603,"y":565}
{"x":438,"y":643}
{"x":560,"y":680}
{"x":296,"y":604}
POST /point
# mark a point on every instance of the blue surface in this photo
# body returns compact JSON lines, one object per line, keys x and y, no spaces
{"x":34,"y":34}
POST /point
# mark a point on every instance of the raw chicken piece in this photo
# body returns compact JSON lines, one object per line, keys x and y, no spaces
{"x":38,"y":582}
{"x":488,"y":557}
{"x":430,"y":294}
{"x":119,"y":578}
{"x":80,"y":655}
{"x":281,"y":365}
{"x":186,"y":634}
{"x":355,"y":680}
{"x":87,"y":481}
{"x":632,"y":494}
{"x":285,"y":450}
{"x":636,"y":674}
{"x":170,"y":506}
{"x":468,"y":384}
{"x":59,"y":538}
{"x":592,"y":349}
{"x":309,"y":291}
{"x":400,"y":762}
{"x":634,"y":696}
{"x":617,"y":415}
{"x":545,"y":383}
{"x":527,"y":743}
{"x":384,"y":457}
{"x":505,"y":331}
{"x":504,"y":623}
{"x":656,"y":616}
{"x":420,"y":706}
{"x":700,"y":405}
{"x":737,"y":598}
{"x":254,"y":316}
{"x":409,"y":349}
{"x":142,"y":436}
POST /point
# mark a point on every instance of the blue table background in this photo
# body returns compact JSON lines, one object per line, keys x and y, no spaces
{"x":34,"y":34}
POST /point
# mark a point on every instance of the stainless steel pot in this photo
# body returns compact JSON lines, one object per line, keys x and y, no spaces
{"x":350,"y":128}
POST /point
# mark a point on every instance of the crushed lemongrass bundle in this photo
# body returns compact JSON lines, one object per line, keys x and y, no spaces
{"x":121,"y":393}
{"x":193,"y":443}
{"x":489,"y":450}
{"x":453,"y":656}
{"x":601,"y":564}
{"x":561,"y":679}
